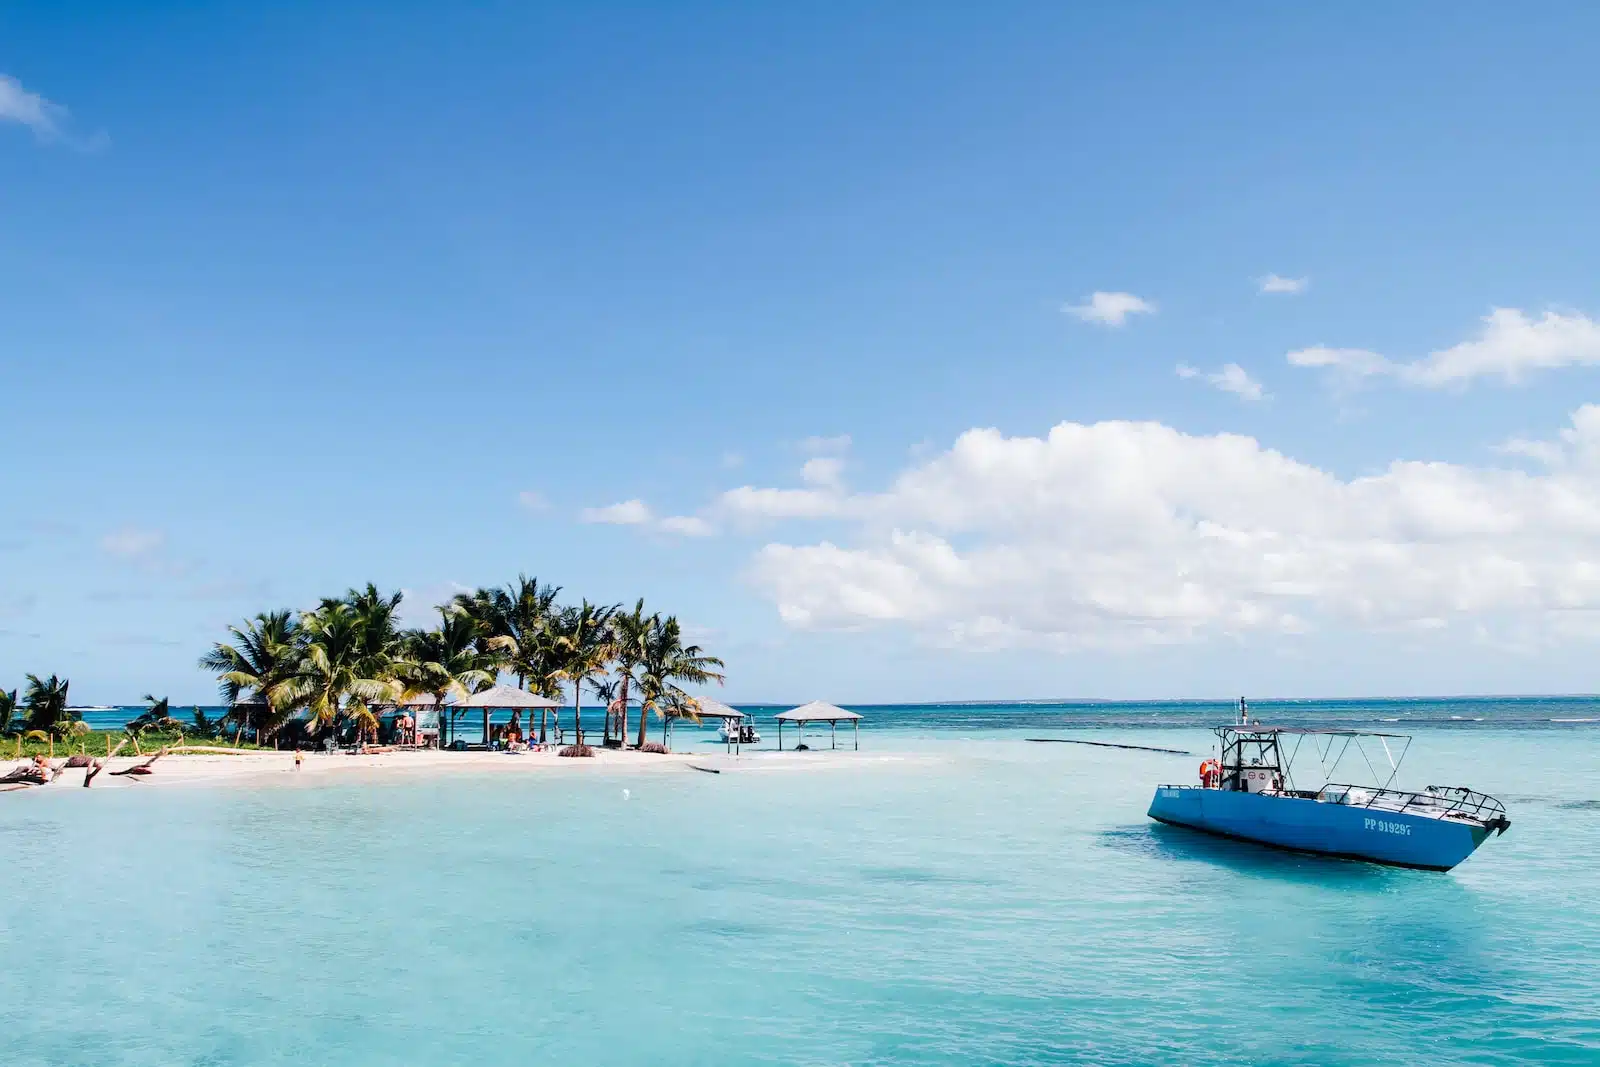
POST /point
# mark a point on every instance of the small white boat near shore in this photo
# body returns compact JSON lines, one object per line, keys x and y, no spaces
{"x":740,"y":731}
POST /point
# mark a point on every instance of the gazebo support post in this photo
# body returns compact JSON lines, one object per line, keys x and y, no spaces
{"x":833,"y":738}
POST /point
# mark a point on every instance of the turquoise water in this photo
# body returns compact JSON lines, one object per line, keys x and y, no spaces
{"x":948,"y":897}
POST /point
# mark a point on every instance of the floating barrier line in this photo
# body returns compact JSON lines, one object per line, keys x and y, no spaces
{"x":1108,"y":744}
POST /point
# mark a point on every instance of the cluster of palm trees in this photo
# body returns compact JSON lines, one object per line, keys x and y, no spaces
{"x":43,"y":713}
{"x":328,"y":668}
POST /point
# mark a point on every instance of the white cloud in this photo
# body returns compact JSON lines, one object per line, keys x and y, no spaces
{"x":822,"y":471}
{"x":1547,"y":452}
{"x":1273,"y":283}
{"x":749,"y":502}
{"x":132,"y":542}
{"x":1353,"y":361}
{"x":627,"y":513}
{"x":1122,"y":533}
{"x":826,"y":446}
{"x":730,"y":460}
{"x":686,"y":526}
{"x":1511,"y":345}
{"x":30,"y":109}
{"x":1232,"y":378}
{"x":637,"y":513}
{"x":1110,"y":309}
{"x":1579,"y":443}
{"x":532,"y":500}
{"x":47,"y":120}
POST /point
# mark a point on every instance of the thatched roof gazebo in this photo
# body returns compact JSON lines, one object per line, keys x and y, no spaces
{"x":817,"y":711}
{"x":495,"y":698}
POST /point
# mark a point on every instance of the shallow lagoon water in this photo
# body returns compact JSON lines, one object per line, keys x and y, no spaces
{"x":944,"y":897}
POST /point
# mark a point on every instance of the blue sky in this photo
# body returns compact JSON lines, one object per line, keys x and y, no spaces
{"x":296,"y":298}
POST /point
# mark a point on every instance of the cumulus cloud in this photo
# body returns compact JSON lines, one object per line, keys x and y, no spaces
{"x":822,"y":470}
{"x":627,"y":513}
{"x":1125,"y":533}
{"x":133,"y":543}
{"x":637,"y":513}
{"x":1547,"y":452}
{"x":1511,"y":345}
{"x":1273,"y":283}
{"x":1232,"y":378}
{"x":1110,"y":309}
{"x":750,"y":502}
{"x":686,"y":526}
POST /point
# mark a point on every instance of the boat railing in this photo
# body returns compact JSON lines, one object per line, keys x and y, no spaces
{"x":1437,"y":800}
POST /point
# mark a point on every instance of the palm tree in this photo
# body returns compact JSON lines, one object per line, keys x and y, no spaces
{"x":667,"y":662}
{"x":46,"y":702}
{"x":381,"y":654}
{"x":380,"y":632}
{"x":445,"y":662}
{"x":333,"y":665}
{"x":516,"y":625}
{"x":39,"y":735}
{"x":583,"y":643}
{"x":630,"y":632}
{"x":605,"y":691}
{"x":8,"y":710}
{"x":677,"y":705}
{"x":67,"y":729}
{"x":157,"y":717}
{"x":264,"y":661}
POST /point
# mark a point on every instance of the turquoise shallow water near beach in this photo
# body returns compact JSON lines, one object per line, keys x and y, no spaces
{"x":949,"y":896}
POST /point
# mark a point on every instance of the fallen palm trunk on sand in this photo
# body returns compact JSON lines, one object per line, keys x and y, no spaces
{"x":100,"y":764}
{"x":38,"y":772}
{"x":141,"y":768}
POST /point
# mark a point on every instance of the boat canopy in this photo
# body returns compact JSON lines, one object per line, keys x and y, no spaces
{"x":1267,"y":746}
{"x":1333,"y":731}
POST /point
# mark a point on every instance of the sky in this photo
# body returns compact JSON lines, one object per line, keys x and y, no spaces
{"x":946,"y":351}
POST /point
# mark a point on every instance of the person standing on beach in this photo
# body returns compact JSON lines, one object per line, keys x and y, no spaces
{"x":298,"y":758}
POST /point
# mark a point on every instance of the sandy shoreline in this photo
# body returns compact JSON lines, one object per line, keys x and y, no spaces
{"x":257,"y":768}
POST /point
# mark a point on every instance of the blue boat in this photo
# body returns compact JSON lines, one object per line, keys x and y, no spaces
{"x":1249,"y":794}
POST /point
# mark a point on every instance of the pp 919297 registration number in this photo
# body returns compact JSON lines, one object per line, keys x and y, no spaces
{"x":1384,"y":826}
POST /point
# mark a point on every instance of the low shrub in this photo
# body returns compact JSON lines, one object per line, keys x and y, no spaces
{"x":653,"y":746}
{"x":576,"y":750}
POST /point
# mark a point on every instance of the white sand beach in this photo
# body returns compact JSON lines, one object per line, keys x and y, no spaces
{"x":259,"y":768}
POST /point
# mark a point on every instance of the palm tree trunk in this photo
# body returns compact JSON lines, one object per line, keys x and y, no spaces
{"x":644,"y":719}
{"x":622,"y":735}
{"x":577,"y":709}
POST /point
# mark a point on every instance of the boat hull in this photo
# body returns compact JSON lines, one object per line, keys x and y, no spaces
{"x":1350,"y":832}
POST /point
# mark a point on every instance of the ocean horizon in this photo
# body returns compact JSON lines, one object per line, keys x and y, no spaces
{"x":1350,"y":712}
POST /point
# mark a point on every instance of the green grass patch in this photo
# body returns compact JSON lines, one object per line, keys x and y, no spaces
{"x":100,"y":742}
